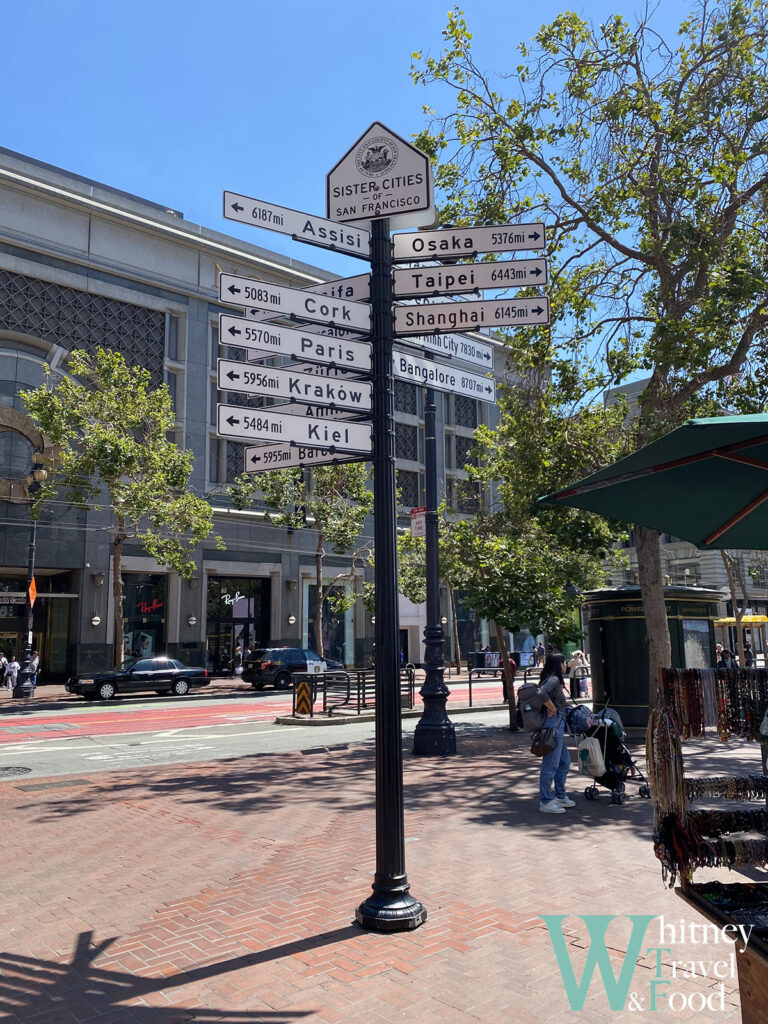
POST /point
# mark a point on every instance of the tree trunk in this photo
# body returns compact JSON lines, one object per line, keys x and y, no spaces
{"x":506,"y":667}
{"x":734,"y":573}
{"x":117,"y":593}
{"x":455,"y":628}
{"x":319,"y":552}
{"x":654,"y":607}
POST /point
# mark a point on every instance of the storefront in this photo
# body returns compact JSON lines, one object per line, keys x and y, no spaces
{"x":338,"y":626}
{"x":238,"y":612}
{"x":50,"y":621}
{"x":145,"y":618}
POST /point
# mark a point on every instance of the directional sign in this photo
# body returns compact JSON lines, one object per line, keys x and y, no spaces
{"x":382,"y":175}
{"x":469,"y":278}
{"x":301,"y":226}
{"x":309,"y":389}
{"x":443,"y":378}
{"x":287,"y":341}
{"x":242,"y":291}
{"x":357,"y":289}
{"x":449,"y":316}
{"x":266,"y":457}
{"x":457,"y":346}
{"x":265,"y":425}
{"x":450,"y":242}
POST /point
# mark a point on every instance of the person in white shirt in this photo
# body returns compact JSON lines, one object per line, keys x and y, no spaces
{"x":11,"y":672}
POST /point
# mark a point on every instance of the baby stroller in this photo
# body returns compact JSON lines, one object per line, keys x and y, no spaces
{"x":602,"y":754}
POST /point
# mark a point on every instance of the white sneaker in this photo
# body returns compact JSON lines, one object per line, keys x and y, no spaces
{"x":552,"y":807}
{"x":565,"y":801}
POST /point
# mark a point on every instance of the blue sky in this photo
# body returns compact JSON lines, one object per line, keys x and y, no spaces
{"x":177,"y":101}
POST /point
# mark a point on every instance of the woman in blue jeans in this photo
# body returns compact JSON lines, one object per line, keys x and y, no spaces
{"x":555,"y":765}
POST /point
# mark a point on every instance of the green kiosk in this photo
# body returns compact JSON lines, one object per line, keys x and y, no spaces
{"x":617,"y":649}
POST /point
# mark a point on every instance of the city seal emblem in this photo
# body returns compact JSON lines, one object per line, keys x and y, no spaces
{"x":376,"y":156}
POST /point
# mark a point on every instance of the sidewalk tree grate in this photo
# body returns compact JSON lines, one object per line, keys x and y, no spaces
{"x":11,"y":770}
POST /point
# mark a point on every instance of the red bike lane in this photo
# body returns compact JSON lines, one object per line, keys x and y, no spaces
{"x":49,"y":725}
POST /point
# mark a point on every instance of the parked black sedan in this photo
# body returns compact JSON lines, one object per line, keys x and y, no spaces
{"x":163,"y":675}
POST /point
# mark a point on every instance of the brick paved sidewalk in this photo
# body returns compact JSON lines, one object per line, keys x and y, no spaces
{"x":225,"y":893}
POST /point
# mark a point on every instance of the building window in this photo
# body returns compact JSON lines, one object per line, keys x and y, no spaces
{"x":406,"y":442}
{"x":214,"y":345}
{"x":172,"y":337}
{"x":144,"y":614}
{"x":463,"y":449}
{"x":214,"y":462}
{"x":406,"y":397}
{"x":408,"y":486}
{"x":465,"y":411}
{"x":238,"y":612}
{"x":235,"y":460}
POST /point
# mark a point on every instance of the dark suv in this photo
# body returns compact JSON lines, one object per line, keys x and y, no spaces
{"x":278,"y":665}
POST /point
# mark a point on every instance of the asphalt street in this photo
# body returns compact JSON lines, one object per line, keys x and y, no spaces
{"x":83,"y":739}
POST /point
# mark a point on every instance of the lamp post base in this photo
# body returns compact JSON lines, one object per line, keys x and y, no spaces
{"x":434,"y":735}
{"x":391,"y":911}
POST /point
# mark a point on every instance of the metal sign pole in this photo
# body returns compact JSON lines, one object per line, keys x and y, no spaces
{"x":435,"y":735}
{"x":390,"y":907}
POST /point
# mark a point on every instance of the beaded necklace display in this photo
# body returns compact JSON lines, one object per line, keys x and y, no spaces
{"x":727,"y":787}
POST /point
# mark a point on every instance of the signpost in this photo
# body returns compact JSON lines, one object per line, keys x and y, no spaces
{"x":243,"y":424}
{"x":301,"y":226}
{"x":382,"y":175}
{"x":449,"y":243}
{"x":454,"y":280}
{"x":456,"y":346}
{"x":294,"y":302}
{"x":384,"y":181}
{"x":266,"y":457}
{"x":452,"y":379}
{"x":453,"y":316}
{"x":290,"y":341}
{"x":306,"y":388}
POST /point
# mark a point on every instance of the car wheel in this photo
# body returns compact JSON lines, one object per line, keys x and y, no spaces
{"x":181,"y":687}
{"x":106,"y":691}
{"x":282,"y":681}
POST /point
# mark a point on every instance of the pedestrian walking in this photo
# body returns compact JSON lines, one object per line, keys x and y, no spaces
{"x":749,"y":656}
{"x":34,"y":665}
{"x":11,"y":672}
{"x":555,"y":764}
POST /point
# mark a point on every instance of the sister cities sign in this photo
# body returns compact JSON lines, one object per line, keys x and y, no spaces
{"x":381,"y":176}
{"x":451,"y":316}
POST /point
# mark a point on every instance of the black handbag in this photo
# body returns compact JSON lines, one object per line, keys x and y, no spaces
{"x":543,"y":742}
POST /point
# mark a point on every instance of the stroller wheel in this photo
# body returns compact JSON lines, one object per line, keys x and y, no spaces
{"x":645,"y":792}
{"x":618,"y":796}
{"x":590,"y":793}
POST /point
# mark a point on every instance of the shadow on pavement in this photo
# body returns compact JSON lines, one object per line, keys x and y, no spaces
{"x":492,"y":781}
{"x":31,"y":987}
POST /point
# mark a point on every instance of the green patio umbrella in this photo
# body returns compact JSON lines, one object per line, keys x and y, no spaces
{"x":706,"y":482}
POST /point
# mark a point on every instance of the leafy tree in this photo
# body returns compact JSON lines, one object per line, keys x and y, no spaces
{"x":648,"y":162}
{"x":332,"y":500}
{"x":110,"y":431}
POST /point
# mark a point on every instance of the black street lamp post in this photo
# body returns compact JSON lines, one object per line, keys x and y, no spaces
{"x":23,"y":687}
{"x":390,"y":907}
{"x":435,"y":735}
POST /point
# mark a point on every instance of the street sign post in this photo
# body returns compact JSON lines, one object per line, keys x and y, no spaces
{"x":457,"y":346}
{"x":453,"y":280}
{"x":294,"y":302}
{"x":242,"y":424}
{"x":381,"y":175}
{"x":290,"y":341}
{"x":453,"y":242}
{"x":305,"y":388}
{"x":264,"y":458}
{"x":419,"y":521}
{"x":450,"y":316}
{"x":301,"y":226}
{"x":453,"y":379}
